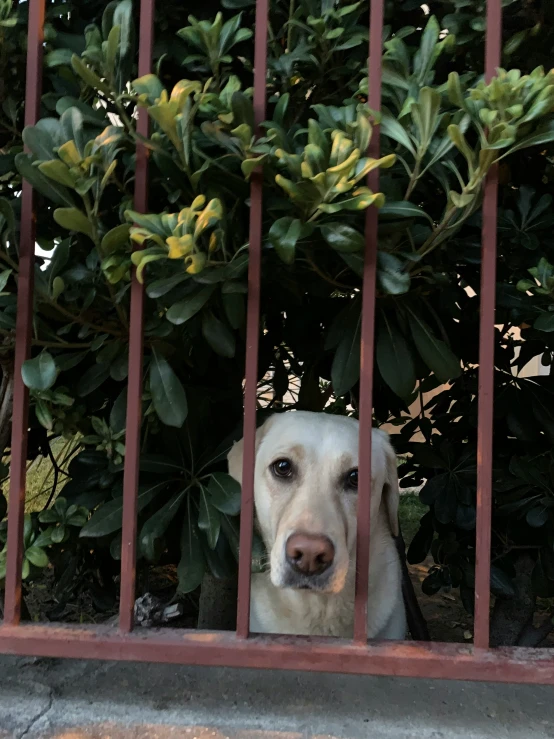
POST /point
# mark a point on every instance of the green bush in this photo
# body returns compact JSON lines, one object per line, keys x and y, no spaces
{"x":441,"y":127}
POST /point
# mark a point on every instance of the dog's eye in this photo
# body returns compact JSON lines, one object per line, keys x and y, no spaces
{"x":352,"y":479}
{"x":282,"y":468}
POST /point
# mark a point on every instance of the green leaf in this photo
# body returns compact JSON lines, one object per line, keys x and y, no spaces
{"x":190,"y":570}
{"x":423,"y":60}
{"x":544,"y":136}
{"x":109,"y":517}
{"x":89,"y":77}
{"x":248,"y":166}
{"x":111,"y":50}
{"x":224,"y":492}
{"x":94,"y":376}
{"x":150,"y":86}
{"x":343,"y":238}
{"x":168,"y":395}
{"x":537,"y":516}
{"x":345,"y":371}
{"x":185,"y":309}
{"x":57,"y":171}
{"x":283,"y":235}
{"x":243,"y":111}
{"x":361,"y":200}
{"x":39,"y":373}
{"x":159,"y":288}
{"x":435,"y":353}
{"x":390,"y":274}
{"x":58,"y":286}
{"x":354,"y":261}
{"x":37,"y":557}
{"x":461,"y":200}
{"x":208,"y":519}
{"x":118,"y":413}
{"x":218,"y":335}
{"x":235,"y":310}
{"x":74,"y":220}
{"x":116,"y":238}
{"x":501,"y":583}
{"x":394,"y":359}
{"x":402,"y":209}
{"x":156,"y":526}
{"x":544,"y":322}
{"x":392,"y":128}
{"x":42,"y":139}
{"x":58,"y":194}
{"x":58,"y":534}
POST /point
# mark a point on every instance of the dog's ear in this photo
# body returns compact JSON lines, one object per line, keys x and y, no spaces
{"x":391,"y":490}
{"x":236,"y":454}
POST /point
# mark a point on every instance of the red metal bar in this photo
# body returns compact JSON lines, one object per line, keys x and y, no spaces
{"x":401,"y":659}
{"x":134,"y":391}
{"x":252,"y":333}
{"x":486,"y":359}
{"x":25,"y":285}
{"x":368,"y":336}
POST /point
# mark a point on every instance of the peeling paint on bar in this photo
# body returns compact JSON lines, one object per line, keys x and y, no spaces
{"x":136,"y":340}
{"x":252,"y":332}
{"x":486,"y":359}
{"x":25,"y":287}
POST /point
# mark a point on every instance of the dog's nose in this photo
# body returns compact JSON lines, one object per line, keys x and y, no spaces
{"x":309,"y":554}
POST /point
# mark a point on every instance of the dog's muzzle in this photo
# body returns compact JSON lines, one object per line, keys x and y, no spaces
{"x":309,"y":558}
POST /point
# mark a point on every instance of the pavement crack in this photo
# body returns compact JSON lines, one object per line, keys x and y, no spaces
{"x":39,"y":716}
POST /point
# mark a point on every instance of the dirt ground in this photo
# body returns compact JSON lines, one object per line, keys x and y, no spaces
{"x":446,"y":617}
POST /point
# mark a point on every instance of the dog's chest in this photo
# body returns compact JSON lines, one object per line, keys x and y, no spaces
{"x":299,"y":612}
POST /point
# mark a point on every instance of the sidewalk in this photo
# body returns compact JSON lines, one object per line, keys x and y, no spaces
{"x":50,"y":699}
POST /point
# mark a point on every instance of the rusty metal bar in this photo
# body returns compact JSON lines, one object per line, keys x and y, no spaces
{"x":25,"y":286}
{"x":173,"y":646}
{"x":252,"y":333}
{"x":486,"y":359}
{"x":136,"y":334}
{"x":368,"y":336}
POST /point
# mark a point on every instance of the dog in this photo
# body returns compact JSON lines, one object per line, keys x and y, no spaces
{"x":305,"y":491}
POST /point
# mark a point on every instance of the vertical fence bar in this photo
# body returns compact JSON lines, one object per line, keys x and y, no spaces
{"x":25,"y":285}
{"x":252,"y":333}
{"x":493,"y":46}
{"x":368,"y":335}
{"x":134,"y":390}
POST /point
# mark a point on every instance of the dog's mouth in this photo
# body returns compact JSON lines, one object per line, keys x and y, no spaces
{"x":323,"y":583}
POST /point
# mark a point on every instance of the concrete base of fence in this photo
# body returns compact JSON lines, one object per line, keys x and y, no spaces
{"x":52,"y":699}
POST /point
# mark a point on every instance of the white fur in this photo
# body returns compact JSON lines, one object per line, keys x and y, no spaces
{"x":323,"y":449}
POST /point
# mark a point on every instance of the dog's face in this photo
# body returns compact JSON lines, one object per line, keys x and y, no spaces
{"x":305,"y":488}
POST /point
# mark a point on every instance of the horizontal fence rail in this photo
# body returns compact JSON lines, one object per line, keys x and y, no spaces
{"x":240,"y":649}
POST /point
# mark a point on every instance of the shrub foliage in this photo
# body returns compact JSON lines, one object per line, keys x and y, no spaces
{"x":441,"y":130}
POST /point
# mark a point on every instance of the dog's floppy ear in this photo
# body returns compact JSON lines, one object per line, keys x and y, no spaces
{"x":236,"y":454}
{"x":391,"y":491}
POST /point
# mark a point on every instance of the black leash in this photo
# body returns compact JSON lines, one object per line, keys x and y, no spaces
{"x":416,"y":622}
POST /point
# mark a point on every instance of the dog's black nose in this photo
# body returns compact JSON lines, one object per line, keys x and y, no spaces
{"x":309,"y":554}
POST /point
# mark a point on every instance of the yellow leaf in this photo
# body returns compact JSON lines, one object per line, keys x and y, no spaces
{"x":212,"y":213}
{"x":68,"y":154}
{"x":58,"y":171}
{"x":179,"y":246}
{"x":195,"y":263}
{"x":198,"y":202}
{"x":183,"y":89}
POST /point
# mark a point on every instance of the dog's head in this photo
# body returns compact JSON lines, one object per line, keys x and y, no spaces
{"x":305,"y":488}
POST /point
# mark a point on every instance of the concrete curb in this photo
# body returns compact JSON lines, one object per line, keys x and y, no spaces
{"x":52,"y":699}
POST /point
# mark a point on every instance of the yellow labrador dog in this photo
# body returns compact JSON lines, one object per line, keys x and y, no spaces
{"x":305,"y":489}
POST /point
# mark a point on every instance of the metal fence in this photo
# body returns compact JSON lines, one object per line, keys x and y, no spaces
{"x":240,"y":649}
